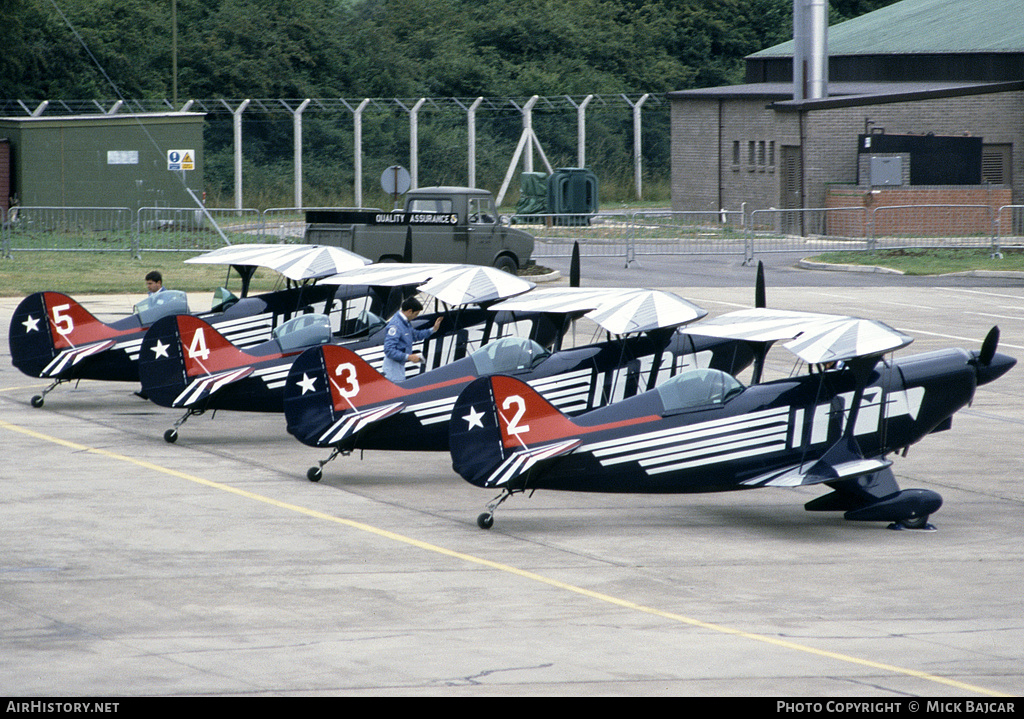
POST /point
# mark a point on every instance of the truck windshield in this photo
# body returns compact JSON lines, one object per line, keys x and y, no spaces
{"x":481,"y":211}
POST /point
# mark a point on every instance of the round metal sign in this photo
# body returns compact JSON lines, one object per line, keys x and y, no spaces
{"x":395,"y":180}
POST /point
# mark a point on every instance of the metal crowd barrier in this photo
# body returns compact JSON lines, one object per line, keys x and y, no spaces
{"x":601,"y":234}
{"x":626,"y":235}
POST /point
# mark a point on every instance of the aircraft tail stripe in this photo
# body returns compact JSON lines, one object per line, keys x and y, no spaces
{"x":352,"y":422}
{"x":205,"y":386}
{"x":522,"y":461}
{"x":70,"y":357}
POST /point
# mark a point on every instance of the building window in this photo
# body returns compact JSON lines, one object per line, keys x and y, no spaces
{"x":735,"y":154}
{"x":751,"y":155}
{"x":771,"y":156}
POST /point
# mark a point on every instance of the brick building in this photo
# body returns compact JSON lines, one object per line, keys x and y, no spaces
{"x":938,"y":68}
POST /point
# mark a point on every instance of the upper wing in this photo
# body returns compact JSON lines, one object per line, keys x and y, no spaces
{"x":814,"y":338}
{"x":619,"y":311}
{"x":296,"y":262}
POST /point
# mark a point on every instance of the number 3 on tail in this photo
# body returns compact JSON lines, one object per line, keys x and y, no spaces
{"x":514,"y":400}
{"x":351,"y":380}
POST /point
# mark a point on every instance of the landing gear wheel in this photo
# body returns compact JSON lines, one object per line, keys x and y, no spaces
{"x":314,"y":474}
{"x":485,"y":520}
{"x":37,"y":401}
{"x":171,"y":436}
{"x":920,"y":523}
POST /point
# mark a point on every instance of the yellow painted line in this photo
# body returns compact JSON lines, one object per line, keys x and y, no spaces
{"x":508,"y":569}
{"x":25,"y":387}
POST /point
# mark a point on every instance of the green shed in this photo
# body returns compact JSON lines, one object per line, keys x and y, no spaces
{"x":143,"y":160}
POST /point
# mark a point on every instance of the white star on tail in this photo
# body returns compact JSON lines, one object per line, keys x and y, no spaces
{"x":160,"y":350}
{"x":31,"y":324}
{"x":473,"y":419}
{"x":307,"y":383}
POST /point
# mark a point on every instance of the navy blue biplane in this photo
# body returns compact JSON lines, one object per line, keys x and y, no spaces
{"x":704,"y":431}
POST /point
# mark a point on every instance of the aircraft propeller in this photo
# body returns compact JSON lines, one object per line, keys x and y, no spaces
{"x":760,"y":299}
{"x":574,"y":265}
{"x":987,"y":363}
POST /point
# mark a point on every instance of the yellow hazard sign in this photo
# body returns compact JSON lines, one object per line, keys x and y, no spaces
{"x":181,"y":160}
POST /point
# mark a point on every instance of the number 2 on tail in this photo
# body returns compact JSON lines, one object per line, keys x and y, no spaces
{"x":513,"y":426}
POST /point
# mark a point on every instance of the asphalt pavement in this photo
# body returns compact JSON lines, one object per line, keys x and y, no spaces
{"x":212,"y":567}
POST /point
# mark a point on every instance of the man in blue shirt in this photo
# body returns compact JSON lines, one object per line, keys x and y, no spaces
{"x":398,"y":339}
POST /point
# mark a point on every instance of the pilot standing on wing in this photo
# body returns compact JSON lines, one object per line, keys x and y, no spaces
{"x":399,"y":337}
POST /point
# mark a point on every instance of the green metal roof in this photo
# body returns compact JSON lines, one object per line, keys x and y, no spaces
{"x":926,"y":26}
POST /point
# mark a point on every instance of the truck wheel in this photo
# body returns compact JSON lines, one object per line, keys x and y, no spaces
{"x":506,"y":264}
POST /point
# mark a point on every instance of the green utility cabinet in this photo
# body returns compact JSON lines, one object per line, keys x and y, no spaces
{"x":105,"y":160}
{"x":572,"y":191}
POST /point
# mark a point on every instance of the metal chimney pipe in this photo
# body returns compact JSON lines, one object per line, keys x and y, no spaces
{"x":810,"y":52}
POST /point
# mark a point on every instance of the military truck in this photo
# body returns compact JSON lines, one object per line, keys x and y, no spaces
{"x":438,"y":224}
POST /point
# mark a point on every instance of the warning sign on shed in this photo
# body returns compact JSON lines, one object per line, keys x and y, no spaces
{"x":181,"y":160}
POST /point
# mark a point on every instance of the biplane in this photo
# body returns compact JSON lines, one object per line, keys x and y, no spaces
{"x":704,"y":431}
{"x":185,"y":363}
{"x":334,"y":399}
{"x":54,"y":337}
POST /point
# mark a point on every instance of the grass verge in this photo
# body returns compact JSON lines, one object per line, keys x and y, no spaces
{"x":929,"y":261}
{"x":85,"y":273}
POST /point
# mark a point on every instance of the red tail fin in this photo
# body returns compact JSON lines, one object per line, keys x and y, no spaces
{"x":205,"y":350}
{"x":354,"y":383}
{"x":71,"y":325}
{"x":501,"y":428}
{"x":525,"y":418}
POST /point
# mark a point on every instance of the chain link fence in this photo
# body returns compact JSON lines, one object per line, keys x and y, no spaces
{"x":627,"y":235}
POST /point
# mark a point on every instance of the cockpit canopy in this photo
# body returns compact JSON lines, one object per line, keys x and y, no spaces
{"x":698,"y":388}
{"x":303,"y":331}
{"x":161,"y":304}
{"x":509,"y":354}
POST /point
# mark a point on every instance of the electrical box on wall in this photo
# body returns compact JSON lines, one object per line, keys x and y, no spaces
{"x":886,"y":171}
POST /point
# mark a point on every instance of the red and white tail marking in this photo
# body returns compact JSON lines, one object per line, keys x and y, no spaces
{"x":354,"y":383}
{"x":206,"y":351}
{"x":72,"y":325}
{"x":526,"y":418}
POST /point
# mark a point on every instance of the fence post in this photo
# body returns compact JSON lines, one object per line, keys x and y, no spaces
{"x":631,"y":239}
{"x":5,"y":236}
{"x":748,"y":244}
